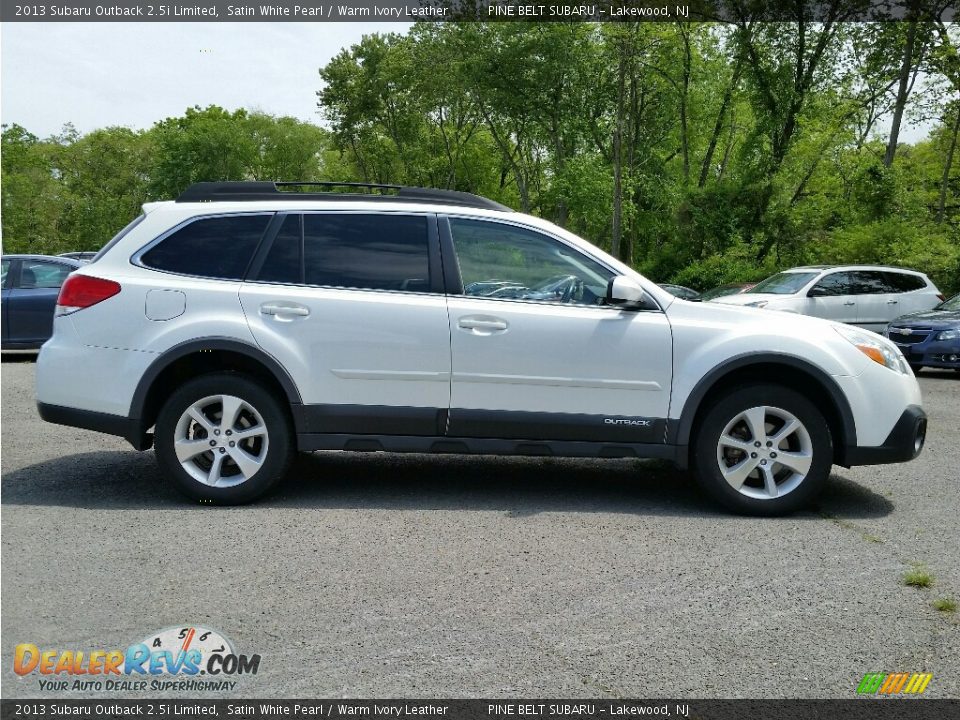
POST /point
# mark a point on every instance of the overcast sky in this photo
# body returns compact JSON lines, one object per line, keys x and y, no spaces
{"x":134,"y":74}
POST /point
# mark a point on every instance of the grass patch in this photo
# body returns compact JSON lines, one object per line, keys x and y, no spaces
{"x":918,"y":577}
{"x":945,"y":605}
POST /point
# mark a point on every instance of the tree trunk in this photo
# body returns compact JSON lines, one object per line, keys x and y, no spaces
{"x":942,"y":202}
{"x":902,"y":92}
{"x":684,"y":94}
{"x":718,"y":126}
{"x":617,"y":229}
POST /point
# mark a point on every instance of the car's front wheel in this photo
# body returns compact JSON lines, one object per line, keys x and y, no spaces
{"x":762,"y":449}
{"x":223,"y":438}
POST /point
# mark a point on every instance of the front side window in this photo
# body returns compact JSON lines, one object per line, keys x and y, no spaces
{"x":214,"y":247}
{"x":5,"y":271}
{"x":39,"y":274}
{"x":505,"y":262}
{"x":351,"y":250}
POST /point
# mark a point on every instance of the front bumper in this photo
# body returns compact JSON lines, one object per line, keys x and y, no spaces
{"x":929,"y":352}
{"x":905,"y":442}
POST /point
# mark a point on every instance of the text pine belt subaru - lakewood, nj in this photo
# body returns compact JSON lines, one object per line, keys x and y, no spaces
{"x":246,"y":321}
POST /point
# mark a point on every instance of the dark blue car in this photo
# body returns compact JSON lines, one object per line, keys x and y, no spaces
{"x":30,"y":285}
{"x":930,"y":338}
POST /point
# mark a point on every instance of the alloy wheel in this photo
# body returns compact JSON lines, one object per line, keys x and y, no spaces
{"x":221,"y":440}
{"x":764,"y":452}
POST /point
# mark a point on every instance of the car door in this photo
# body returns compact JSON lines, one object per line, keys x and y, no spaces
{"x":33,"y":300}
{"x":352,"y":305}
{"x":878,"y":302}
{"x":9,"y":267}
{"x":832,"y":298}
{"x":536,"y":354}
{"x":910,"y":292}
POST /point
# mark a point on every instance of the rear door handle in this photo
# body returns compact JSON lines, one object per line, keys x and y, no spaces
{"x":482,"y":325}
{"x":850,"y":303}
{"x":281,"y":309}
{"x":892,"y":302}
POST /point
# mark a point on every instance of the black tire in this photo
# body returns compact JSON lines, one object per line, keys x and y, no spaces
{"x":267,"y":452}
{"x":916,"y":368}
{"x":812,"y":440}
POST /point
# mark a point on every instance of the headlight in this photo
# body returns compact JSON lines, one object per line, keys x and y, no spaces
{"x":875,"y":348}
{"x":757,"y":304}
{"x":948,"y":335}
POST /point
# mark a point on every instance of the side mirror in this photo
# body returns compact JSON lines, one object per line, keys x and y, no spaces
{"x":817,"y":291}
{"x":627,"y":293}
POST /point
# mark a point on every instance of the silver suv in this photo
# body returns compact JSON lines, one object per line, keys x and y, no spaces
{"x":869,"y":296}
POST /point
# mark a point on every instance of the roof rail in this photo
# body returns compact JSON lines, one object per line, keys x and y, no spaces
{"x":243,"y":191}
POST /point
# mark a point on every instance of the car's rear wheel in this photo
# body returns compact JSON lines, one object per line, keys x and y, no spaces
{"x":223,"y":438}
{"x":762,"y":449}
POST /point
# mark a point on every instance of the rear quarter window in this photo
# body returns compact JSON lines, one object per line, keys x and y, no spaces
{"x":904,"y":282}
{"x":214,"y":247}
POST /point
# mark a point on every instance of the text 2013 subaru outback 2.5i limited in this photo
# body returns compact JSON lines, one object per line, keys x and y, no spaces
{"x":244,"y":322}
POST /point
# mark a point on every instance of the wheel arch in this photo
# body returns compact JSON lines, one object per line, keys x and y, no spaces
{"x":775,"y":368}
{"x":195,"y":357}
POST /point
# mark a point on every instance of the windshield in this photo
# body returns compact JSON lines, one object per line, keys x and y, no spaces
{"x":722,"y":291}
{"x":785,"y":283}
{"x":951,"y":304}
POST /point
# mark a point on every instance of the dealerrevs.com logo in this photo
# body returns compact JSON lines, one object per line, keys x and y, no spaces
{"x":171,"y":659}
{"x":898,"y":683}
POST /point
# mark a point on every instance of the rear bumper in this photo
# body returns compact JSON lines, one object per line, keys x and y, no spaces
{"x":904,"y":442}
{"x":128,"y":428}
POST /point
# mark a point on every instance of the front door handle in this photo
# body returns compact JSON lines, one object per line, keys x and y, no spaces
{"x":281,"y":309}
{"x":892,"y":302}
{"x":482,"y":324}
{"x":850,"y":303}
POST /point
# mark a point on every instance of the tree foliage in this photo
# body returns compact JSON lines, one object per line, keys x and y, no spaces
{"x":699,"y":152}
{"x":73,"y":192}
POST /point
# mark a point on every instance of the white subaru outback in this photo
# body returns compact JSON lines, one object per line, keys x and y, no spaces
{"x":246,"y":321}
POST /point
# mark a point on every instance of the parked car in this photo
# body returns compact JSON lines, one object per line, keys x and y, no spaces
{"x":30,"y":285}
{"x":243,"y":322}
{"x":868,"y":296}
{"x":84,"y":255}
{"x":724,"y":290}
{"x":930,"y":339}
{"x":681,"y":292}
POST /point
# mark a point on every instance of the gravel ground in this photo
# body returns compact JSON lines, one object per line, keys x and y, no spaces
{"x":418,"y":576}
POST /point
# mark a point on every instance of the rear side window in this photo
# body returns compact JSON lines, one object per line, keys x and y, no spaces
{"x":35,"y":274}
{"x":284,"y":262}
{"x":834,"y":284}
{"x":215,"y":247}
{"x":903,"y":282}
{"x":870,"y":282}
{"x":351,"y":250}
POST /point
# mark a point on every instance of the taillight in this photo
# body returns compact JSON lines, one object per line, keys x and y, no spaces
{"x":82,"y":291}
